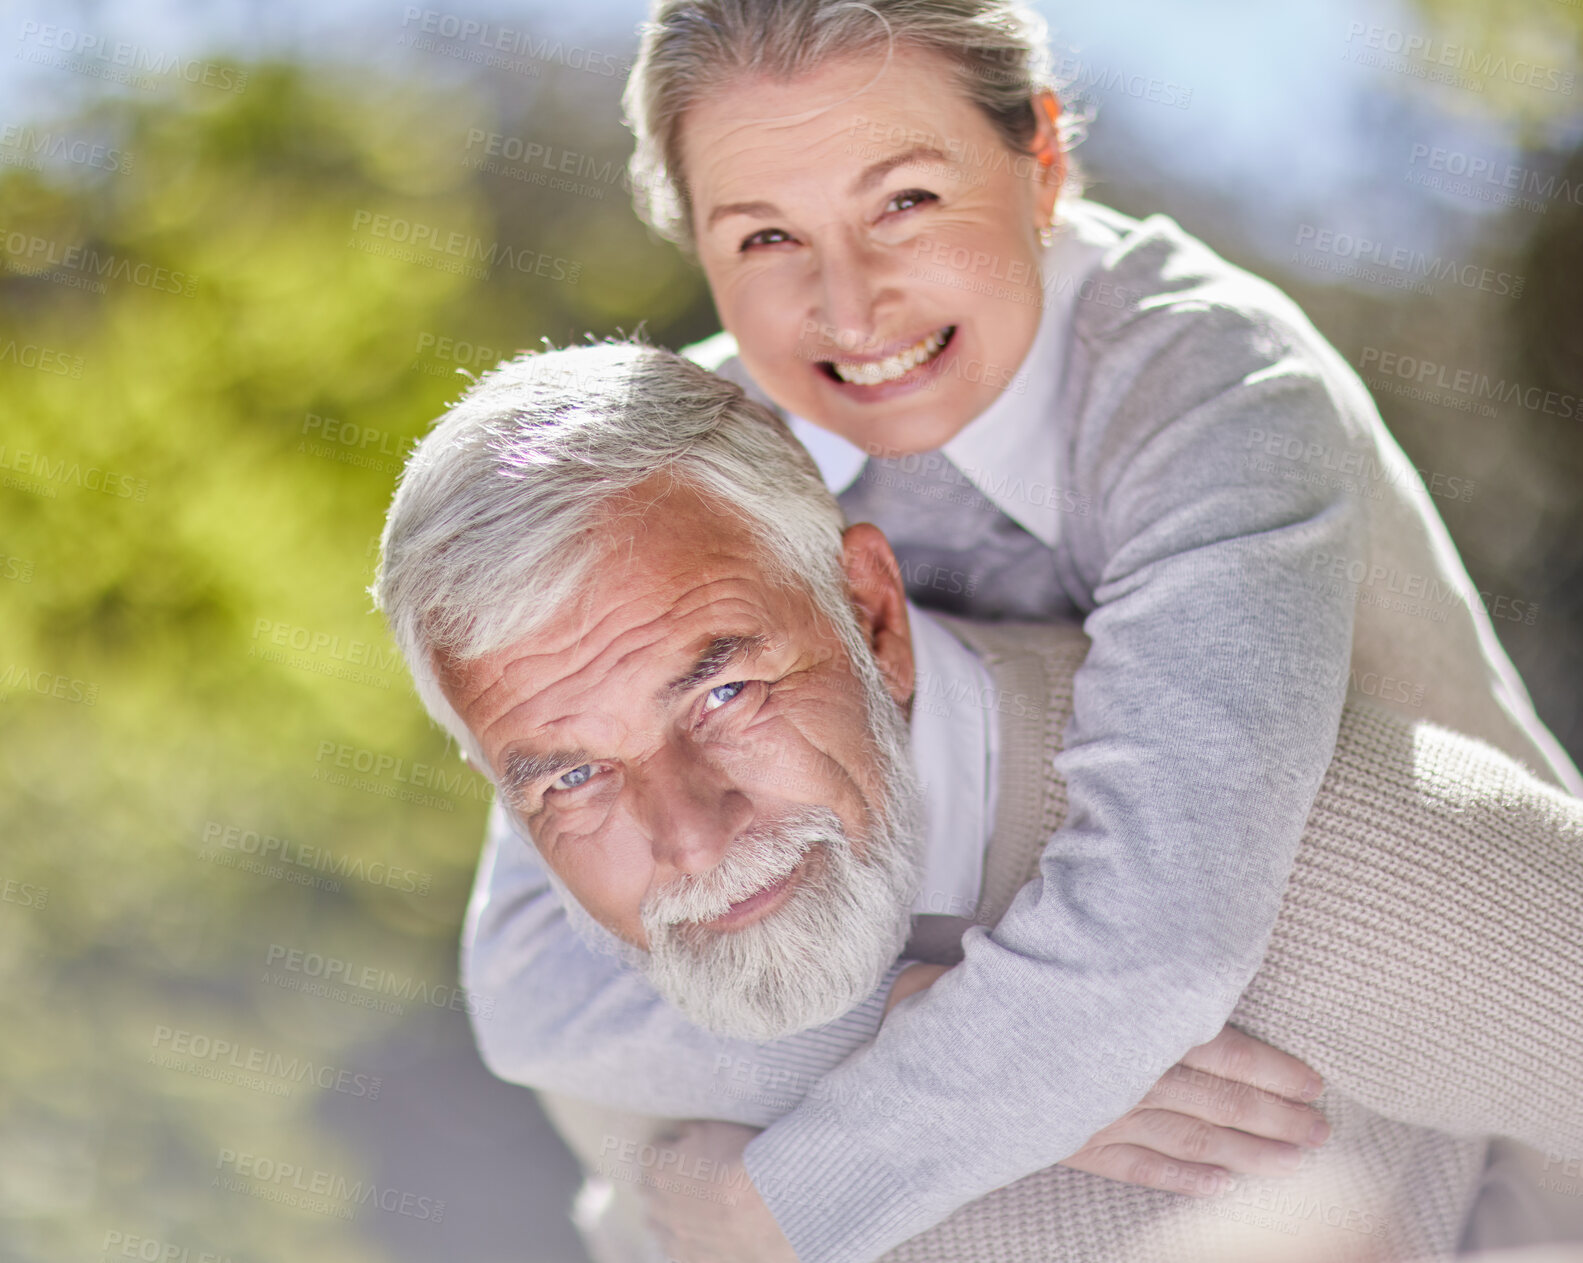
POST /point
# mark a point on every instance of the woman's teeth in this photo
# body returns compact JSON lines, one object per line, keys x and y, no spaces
{"x":894,"y":366}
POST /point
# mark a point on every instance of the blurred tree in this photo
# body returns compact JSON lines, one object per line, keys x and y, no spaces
{"x":1527,"y":56}
{"x":213,"y":363}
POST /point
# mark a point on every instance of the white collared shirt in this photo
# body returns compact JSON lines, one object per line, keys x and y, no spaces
{"x":954,"y":751}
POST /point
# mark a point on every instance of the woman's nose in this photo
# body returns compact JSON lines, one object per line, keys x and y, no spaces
{"x":851,"y":284}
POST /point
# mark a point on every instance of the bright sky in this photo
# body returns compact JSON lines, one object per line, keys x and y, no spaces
{"x":1275,"y":108}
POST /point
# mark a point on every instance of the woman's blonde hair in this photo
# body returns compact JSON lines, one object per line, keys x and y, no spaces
{"x":691,"y":48}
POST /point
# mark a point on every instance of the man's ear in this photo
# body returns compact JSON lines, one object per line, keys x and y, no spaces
{"x":874,"y":576}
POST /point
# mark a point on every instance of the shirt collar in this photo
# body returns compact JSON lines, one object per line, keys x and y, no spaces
{"x":954,"y":749}
{"x":1010,"y":451}
{"x":839,"y":462}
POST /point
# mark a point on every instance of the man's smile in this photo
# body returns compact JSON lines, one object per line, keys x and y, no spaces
{"x":765,"y":902}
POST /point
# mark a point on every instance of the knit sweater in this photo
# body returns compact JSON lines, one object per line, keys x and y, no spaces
{"x":1427,"y":960}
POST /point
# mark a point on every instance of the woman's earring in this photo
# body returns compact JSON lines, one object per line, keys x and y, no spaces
{"x":1047,"y":236}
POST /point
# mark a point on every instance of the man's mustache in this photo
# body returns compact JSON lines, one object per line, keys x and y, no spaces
{"x":757,"y":859}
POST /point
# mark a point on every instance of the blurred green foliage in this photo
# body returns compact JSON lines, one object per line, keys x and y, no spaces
{"x":181,"y":646}
{"x":1511,"y":40}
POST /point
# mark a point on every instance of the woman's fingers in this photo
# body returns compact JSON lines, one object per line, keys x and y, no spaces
{"x":1226,"y":1103}
{"x":1148,"y":1168}
{"x":1233,"y":1104}
{"x":1243,"y":1059}
{"x":1191,"y":1140}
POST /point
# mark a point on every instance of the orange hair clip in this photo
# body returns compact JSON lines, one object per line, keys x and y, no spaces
{"x":1052,"y":111}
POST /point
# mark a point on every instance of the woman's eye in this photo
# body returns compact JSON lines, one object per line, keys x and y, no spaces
{"x":577,"y":776}
{"x":721,"y":694}
{"x":909,"y":198}
{"x":765,"y":237}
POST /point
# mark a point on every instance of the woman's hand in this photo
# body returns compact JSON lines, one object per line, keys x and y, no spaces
{"x":1231,"y":1105}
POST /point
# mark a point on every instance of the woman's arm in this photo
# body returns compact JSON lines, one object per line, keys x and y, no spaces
{"x":1205,"y":715}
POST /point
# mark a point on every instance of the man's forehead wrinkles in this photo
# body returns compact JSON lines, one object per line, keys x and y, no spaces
{"x":651,"y":647}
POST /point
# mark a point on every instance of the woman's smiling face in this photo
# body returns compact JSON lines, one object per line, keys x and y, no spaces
{"x":871,"y":242}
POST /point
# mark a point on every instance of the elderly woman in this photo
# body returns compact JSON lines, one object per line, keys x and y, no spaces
{"x":1052,"y":411}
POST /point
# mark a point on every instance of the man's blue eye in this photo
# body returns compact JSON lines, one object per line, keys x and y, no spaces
{"x":574,"y":778}
{"x":723,"y":693}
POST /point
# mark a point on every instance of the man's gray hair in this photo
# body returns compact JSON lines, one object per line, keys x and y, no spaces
{"x":487,"y":536}
{"x":690,"y":49}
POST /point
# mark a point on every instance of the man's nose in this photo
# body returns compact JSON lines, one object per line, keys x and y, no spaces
{"x":691,"y":811}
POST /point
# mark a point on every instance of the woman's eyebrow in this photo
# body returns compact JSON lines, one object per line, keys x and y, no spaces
{"x":760,"y":210}
{"x":876,"y":172}
{"x":871,"y":176}
{"x":721,"y":653}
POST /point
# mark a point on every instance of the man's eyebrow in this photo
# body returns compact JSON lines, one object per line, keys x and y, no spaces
{"x":879,"y":170}
{"x":721,"y":653}
{"x":520,"y":770}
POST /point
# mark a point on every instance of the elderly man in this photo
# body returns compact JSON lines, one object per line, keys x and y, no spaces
{"x":625,"y":591}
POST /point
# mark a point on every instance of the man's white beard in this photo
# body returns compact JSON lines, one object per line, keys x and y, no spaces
{"x":842,"y":927}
